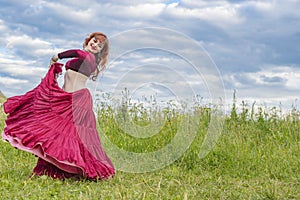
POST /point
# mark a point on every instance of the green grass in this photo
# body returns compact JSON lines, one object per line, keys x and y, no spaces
{"x":256,"y":157}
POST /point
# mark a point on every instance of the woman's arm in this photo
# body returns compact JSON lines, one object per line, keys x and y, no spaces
{"x":73,"y":53}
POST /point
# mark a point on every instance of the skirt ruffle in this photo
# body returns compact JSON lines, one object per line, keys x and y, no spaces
{"x":58,"y":127}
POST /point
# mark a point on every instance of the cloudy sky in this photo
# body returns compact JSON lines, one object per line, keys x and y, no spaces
{"x":165,"y":48}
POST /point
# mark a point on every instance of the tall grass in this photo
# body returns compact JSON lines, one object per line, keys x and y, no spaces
{"x":256,"y":157}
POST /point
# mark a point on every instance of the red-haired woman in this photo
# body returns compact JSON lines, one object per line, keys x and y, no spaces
{"x":58,"y":124}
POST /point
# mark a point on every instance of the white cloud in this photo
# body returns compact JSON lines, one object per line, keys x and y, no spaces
{"x":134,"y":2}
{"x":32,"y":47}
{"x":293,"y":80}
{"x":3,"y":27}
{"x":144,"y":10}
{"x":281,"y":77}
{"x":275,"y":9}
{"x":193,"y":4}
{"x":12,"y":81}
{"x":138,"y":11}
{"x":26,"y":41}
{"x":20,"y":68}
{"x":156,"y":60}
{"x":80,"y":14}
{"x":224,"y":14}
{"x":264,"y":6}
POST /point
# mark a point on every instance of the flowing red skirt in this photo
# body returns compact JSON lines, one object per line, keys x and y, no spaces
{"x":58,"y":127}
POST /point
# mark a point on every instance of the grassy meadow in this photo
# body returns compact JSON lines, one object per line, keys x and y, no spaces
{"x":257,"y":156}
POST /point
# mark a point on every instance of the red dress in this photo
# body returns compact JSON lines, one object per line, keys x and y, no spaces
{"x":60,"y":128}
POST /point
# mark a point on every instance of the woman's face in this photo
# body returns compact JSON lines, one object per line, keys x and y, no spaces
{"x":94,"y":46}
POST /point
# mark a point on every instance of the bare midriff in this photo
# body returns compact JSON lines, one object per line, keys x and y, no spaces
{"x":74,"y":81}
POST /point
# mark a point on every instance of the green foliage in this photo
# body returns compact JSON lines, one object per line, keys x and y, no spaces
{"x":256,"y":157}
{"x":2,"y":114}
{"x":2,"y":98}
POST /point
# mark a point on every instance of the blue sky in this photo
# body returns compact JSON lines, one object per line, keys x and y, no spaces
{"x":253,"y":45}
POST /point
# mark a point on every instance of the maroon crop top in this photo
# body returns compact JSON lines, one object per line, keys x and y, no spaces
{"x":83,"y":62}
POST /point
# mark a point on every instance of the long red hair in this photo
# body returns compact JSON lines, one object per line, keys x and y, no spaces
{"x":101,"y":57}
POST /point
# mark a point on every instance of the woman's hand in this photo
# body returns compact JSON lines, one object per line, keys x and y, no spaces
{"x":54,"y":59}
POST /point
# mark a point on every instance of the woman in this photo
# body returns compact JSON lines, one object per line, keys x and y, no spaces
{"x":58,"y":124}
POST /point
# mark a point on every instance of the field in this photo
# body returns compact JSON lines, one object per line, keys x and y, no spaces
{"x":257,"y":156}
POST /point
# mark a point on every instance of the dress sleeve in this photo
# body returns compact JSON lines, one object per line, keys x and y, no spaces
{"x":72,"y":53}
